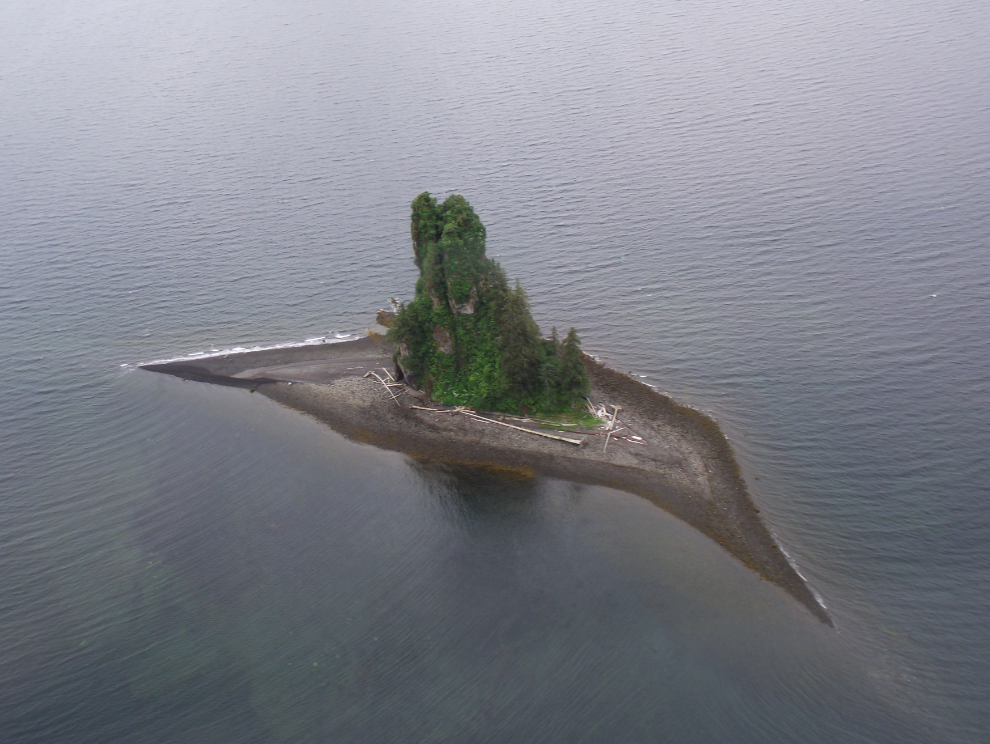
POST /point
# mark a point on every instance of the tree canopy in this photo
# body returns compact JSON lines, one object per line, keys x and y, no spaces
{"x":467,"y":337}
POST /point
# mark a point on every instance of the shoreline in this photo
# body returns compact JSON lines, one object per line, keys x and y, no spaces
{"x":685,"y":465}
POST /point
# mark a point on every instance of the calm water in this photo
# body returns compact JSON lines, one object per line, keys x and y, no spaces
{"x":776,"y":212}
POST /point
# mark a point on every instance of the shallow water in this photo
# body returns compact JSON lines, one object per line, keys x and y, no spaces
{"x":777,"y":214}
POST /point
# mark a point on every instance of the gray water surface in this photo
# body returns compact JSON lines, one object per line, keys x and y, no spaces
{"x":777,"y":213}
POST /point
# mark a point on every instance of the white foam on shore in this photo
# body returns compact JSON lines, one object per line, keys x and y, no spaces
{"x":791,"y":562}
{"x":337,"y":338}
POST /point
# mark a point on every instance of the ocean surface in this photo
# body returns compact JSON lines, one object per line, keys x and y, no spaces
{"x":776,"y":212}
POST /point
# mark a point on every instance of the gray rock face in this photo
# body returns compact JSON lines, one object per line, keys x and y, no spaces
{"x":442,"y":336}
{"x":465,"y":308}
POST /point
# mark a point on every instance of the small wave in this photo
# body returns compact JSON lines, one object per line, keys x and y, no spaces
{"x":337,"y":338}
{"x":793,"y":564}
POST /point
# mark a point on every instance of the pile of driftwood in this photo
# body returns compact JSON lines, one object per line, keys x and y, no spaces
{"x":391,"y":383}
{"x":612,"y":426}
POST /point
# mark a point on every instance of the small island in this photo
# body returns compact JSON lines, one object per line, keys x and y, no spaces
{"x":463,"y":377}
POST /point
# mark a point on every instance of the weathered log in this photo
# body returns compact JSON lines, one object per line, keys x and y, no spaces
{"x":577,"y":442}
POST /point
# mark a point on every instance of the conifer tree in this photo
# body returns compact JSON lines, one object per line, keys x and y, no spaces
{"x":573,"y":381}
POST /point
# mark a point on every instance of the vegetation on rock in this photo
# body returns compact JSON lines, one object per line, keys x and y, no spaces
{"x":467,"y":337}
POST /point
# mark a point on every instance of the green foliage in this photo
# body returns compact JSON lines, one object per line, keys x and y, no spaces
{"x":427,"y":224}
{"x":573,"y":382}
{"x":466,"y":337}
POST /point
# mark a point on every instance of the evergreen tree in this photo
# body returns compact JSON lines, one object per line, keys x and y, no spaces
{"x":520,"y":347}
{"x":550,"y":371}
{"x":573,"y":381}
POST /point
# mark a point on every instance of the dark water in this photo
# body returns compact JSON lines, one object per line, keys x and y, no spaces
{"x":776,"y":212}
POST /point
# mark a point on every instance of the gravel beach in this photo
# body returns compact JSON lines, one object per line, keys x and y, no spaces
{"x":680,"y":460}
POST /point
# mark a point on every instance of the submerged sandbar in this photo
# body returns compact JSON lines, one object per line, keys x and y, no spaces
{"x":683,"y":464}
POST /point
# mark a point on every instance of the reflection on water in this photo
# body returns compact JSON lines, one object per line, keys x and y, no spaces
{"x":482,"y":497}
{"x":354,"y":595}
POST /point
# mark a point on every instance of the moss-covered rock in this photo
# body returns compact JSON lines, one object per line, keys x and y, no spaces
{"x":468,"y":338}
